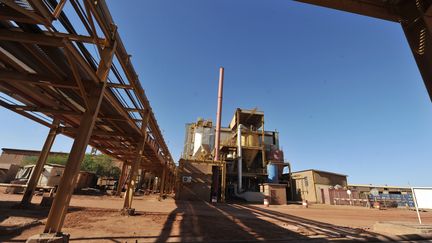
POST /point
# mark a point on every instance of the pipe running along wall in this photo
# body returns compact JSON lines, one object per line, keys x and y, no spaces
{"x":240,"y":159}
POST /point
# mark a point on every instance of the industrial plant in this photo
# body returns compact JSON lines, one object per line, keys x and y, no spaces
{"x":65,"y":69}
{"x":251,"y":161}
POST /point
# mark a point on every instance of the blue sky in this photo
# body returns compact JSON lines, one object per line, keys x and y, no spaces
{"x":343,"y":90}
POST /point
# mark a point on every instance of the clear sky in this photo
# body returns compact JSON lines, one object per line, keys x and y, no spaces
{"x":343,"y":90}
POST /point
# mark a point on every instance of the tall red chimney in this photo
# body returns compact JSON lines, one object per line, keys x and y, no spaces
{"x":219,"y":113}
{"x":215,"y":169}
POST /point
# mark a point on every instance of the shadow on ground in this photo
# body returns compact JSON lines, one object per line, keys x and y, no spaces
{"x":15,"y":219}
{"x":194,"y":221}
{"x":201,"y":221}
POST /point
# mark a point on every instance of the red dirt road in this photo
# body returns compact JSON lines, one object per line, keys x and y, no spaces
{"x":97,"y":219}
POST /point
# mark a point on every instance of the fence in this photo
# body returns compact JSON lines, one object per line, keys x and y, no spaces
{"x":393,"y":200}
{"x":341,"y":197}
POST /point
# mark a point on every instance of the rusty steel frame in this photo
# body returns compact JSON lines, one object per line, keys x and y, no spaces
{"x":81,"y":75}
{"x":415,"y":17}
{"x":38,"y":169}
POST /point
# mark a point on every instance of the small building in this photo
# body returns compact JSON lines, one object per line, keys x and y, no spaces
{"x":12,"y":160}
{"x":18,"y":156}
{"x":11,"y":156}
{"x":12,"y":169}
{"x":51,"y":176}
{"x":313,"y":185}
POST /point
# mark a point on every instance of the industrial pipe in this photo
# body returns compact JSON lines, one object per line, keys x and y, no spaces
{"x":219,"y":113}
{"x":215,"y":170}
{"x":239,"y":158}
{"x":290,"y":179}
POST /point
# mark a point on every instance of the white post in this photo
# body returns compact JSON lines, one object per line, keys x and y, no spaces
{"x":416,"y":206}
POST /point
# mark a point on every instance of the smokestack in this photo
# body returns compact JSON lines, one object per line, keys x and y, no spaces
{"x":219,"y":113}
{"x":215,"y":169}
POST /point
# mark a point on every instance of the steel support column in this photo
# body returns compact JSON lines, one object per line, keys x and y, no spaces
{"x":168,"y":183}
{"x":150,"y":184}
{"x":223,"y":182}
{"x":127,"y":205}
{"x":418,"y":31}
{"x":171,"y":181}
{"x":61,"y":201}
{"x":162,"y":184}
{"x":95,"y":95}
{"x":122,"y":179}
{"x":141,"y":181}
{"x":37,"y":170}
{"x":173,"y":178}
{"x":131,"y":182}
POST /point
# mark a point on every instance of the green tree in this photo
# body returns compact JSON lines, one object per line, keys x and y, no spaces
{"x":102,"y":165}
{"x":52,"y":159}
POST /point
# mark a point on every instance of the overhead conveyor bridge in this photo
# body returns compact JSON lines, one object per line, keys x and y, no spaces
{"x":77,"y":78}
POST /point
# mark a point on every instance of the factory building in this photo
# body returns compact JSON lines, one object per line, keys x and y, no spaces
{"x":250,"y":165}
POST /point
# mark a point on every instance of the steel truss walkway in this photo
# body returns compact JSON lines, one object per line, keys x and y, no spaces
{"x":78,"y":80}
{"x":415,"y":17}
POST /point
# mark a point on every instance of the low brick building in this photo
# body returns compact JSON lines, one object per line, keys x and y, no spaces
{"x":11,"y":161}
{"x":17,"y":156}
{"x":312,"y":185}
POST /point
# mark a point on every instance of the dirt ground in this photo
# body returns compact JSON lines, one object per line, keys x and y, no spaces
{"x":97,"y":219}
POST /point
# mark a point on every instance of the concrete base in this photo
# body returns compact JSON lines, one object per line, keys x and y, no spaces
{"x":49,"y":238}
{"x":128,"y":211}
{"x":403,"y":228}
{"x":19,"y":227}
